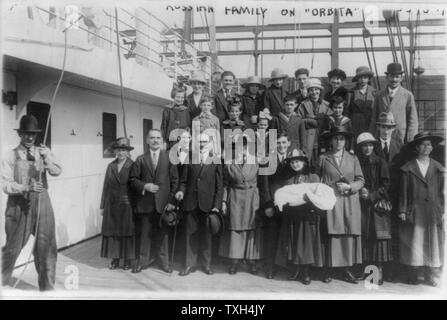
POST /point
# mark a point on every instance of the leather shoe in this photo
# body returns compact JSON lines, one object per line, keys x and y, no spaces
{"x":114,"y":264}
{"x":305,"y":279}
{"x":294,"y":276}
{"x":208,"y":270}
{"x":327,"y":278}
{"x":187,"y":271}
{"x":233,"y":269}
{"x":166,"y":269}
{"x":254,"y":270}
{"x":349,"y":277}
{"x":270,"y":274}
{"x":126,"y":265}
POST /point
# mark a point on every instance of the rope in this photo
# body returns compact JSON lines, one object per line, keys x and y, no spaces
{"x":375,"y":63}
{"x":44,"y":142}
{"x":120,"y":73}
{"x":402,"y":51}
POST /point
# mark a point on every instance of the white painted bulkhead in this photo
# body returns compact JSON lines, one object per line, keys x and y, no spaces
{"x":76,"y":193}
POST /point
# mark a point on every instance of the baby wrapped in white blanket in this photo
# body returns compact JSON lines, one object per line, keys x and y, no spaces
{"x":321,"y":195}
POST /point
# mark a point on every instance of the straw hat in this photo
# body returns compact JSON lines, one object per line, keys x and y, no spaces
{"x":314,"y":83}
{"x":366,"y":137}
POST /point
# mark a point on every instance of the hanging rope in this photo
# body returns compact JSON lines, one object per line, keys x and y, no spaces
{"x":120,"y":72}
{"x":313,"y":57}
{"x":375,"y":63}
{"x":402,"y":51}
{"x":44,"y":142}
{"x":391,"y":36}
{"x":367,"y":34}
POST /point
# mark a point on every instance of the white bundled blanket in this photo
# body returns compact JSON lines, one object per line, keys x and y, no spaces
{"x":321,"y":195}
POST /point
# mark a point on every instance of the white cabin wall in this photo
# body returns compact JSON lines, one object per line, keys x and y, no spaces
{"x":76,"y":193}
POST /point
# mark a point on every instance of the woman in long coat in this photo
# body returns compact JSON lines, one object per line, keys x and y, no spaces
{"x":421,"y":209}
{"x":300,"y":240}
{"x":360,"y":104}
{"x":376,"y":226}
{"x":243,"y":237}
{"x":118,"y":228}
{"x":341,"y":170}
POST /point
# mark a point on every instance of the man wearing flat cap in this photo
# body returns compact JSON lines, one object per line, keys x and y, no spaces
{"x":399,"y":101}
{"x":29,"y":207}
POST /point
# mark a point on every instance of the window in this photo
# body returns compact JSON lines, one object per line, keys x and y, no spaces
{"x":40,"y":111}
{"x":147,"y":125}
{"x":108,"y":133}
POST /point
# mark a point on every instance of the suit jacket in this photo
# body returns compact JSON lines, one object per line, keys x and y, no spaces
{"x":359,"y":109}
{"x":202,"y":186}
{"x":403,"y":108}
{"x":194,"y":109}
{"x":251,"y":107}
{"x":269,"y":185}
{"x":165,"y":176}
{"x":273,"y":100}
{"x":422,"y":199}
{"x":345,"y":218}
{"x":315,"y":123}
{"x":340,"y":92}
{"x":221,"y":105}
{"x":296,"y":131}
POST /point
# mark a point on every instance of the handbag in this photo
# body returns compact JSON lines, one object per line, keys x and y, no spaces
{"x":383,"y":205}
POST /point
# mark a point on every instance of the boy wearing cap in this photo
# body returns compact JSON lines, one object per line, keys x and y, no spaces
{"x":314,"y":111}
{"x":24,"y":181}
{"x":399,"y":101}
{"x":224,"y":95}
{"x":193,"y":100}
{"x":360,"y":105}
{"x":301,"y":77}
{"x":252,"y":101}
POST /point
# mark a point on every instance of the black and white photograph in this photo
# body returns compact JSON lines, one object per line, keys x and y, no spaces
{"x":222,"y":150}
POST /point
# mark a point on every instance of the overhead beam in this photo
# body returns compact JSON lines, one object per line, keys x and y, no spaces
{"x":303,"y":26}
{"x":315,"y":50}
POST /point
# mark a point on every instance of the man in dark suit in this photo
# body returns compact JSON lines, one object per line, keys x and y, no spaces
{"x":390,"y":149}
{"x":201,"y":190}
{"x":272,"y":217}
{"x":155,"y":180}
{"x":224,"y":96}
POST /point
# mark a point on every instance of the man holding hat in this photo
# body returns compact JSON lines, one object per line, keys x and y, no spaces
{"x":252,"y":101}
{"x":314,"y":111}
{"x":193,"y":100}
{"x":360,"y":104}
{"x":301,"y":77}
{"x":275,"y":94}
{"x":398,"y":101}
{"x":29,"y":207}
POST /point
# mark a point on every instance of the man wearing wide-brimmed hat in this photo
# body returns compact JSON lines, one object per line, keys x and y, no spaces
{"x":252,"y":101}
{"x":29,"y":207}
{"x":275,"y":94}
{"x":198,"y":83}
{"x":314,"y":111}
{"x":360,"y":104}
{"x":399,"y":101}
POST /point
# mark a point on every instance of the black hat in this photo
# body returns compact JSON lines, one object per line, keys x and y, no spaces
{"x":301,"y":71}
{"x":215,"y":222}
{"x":28,"y":124}
{"x":121,"y":143}
{"x":296,"y":154}
{"x":421,"y":136}
{"x":394,"y":68}
{"x":170,"y":218}
{"x":338,"y":130}
{"x":337,"y":100}
{"x":337,"y":73}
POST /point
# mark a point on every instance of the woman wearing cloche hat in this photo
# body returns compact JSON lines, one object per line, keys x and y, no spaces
{"x":376,"y":225}
{"x":118,"y":228}
{"x":300,"y":241}
{"x":252,"y":101}
{"x":421,"y":210}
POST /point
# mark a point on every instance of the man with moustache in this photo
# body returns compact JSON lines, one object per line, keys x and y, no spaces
{"x":398,"y":101}
{"x":29,"y":207}
{"x":155,"y":180}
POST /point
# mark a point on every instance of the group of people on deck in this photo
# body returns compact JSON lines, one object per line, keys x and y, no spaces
{"x":362,"y":143}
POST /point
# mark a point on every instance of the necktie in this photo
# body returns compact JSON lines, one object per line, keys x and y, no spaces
{"x":386,"y":151}
{"x":29,"y":155}
{"x":154,"y":160}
